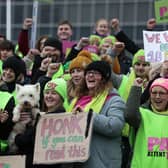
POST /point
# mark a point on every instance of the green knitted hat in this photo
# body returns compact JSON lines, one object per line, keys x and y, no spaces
{"x":111,"y":39}
{"x":95,"y":57}
{"x":94,"y":38}
{"x":139,"y":56}
{"x":60,"y":87}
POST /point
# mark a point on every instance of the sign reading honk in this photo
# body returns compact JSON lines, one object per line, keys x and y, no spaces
{"x":63,"y":137}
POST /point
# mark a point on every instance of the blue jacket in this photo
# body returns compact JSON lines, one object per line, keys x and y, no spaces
{"x":105,"y":147}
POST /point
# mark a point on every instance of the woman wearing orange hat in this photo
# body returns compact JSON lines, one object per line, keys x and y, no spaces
{"x":150,"y":120}
{"x":76,"y":70}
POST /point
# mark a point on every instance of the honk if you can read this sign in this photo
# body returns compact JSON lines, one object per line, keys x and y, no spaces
{"x":63,"y":138}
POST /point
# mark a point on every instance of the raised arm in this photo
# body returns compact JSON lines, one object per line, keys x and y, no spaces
{"x":132,"y":114}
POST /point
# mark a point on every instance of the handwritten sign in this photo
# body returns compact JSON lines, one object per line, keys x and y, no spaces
{"x":13,"y":161}
{"x":161,"y":11}
{"x":155,"y":45}
{"x":63,"y":137}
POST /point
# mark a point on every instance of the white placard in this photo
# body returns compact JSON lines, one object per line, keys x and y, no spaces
{"x":155,"y":45}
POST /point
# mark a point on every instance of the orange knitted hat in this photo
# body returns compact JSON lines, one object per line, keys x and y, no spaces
{"x":81,"y":61}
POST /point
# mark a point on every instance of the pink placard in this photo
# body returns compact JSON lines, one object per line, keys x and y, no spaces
{"x":63,"y":137}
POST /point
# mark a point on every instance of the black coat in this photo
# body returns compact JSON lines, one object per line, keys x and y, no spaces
{"x":26,"y":142}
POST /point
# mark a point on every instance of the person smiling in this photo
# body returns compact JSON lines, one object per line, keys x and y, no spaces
{"x":54,"y":102}
{"x":149,"y":120}
{"x":13,"y":71}
{"x":96,"y":93}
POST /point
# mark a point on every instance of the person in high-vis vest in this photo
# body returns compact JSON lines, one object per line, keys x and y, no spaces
{"x":123,"y":84}
{"x":98,"y":95}
{"x":51,"y":53}
{"x":150,"y":121}
{"x":7,"y":104}
{"x":75,"y":70}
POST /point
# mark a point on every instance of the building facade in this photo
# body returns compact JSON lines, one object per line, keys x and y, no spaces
{"x":133,"y":15}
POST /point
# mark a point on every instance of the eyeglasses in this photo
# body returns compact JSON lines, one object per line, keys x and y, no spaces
{"x":161,"y":94}
{"x":93,"y":72}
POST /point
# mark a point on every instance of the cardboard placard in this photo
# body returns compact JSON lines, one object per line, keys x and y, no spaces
{"x":63,"y":137}
{"x":12,"y":161}
{"x":155,"y":45}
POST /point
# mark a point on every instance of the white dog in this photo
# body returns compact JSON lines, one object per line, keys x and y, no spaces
{"x":27,"y":98}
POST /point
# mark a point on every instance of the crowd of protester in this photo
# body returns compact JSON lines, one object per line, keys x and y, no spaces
{"x":128,"y":95}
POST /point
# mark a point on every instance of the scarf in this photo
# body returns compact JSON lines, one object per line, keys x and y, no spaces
{"x":95,"y":104}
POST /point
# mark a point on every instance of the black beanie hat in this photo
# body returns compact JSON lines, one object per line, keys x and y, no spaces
{"x":7,"y":45}
{"x":15,"y":63}
{"x":53,"y":42}
{"x":101,"y":66}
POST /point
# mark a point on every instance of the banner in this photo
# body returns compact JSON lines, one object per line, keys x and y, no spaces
{"x":155,"y":45}
{"x":62,"y":138}
{"x":12,"y":161}
{"x":161,"y":11}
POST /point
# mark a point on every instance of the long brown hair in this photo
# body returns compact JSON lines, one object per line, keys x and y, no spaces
{"x":71,"y":89}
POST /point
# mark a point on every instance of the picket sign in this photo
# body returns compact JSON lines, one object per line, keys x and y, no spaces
{"x":155,"y":45}
{"x":63,"y":137}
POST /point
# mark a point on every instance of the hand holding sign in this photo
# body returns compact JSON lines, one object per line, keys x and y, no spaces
{"x":63,"y":137}
{"x":151,"y":23}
